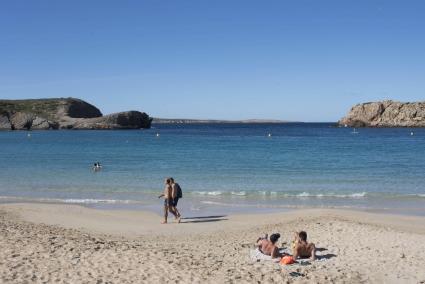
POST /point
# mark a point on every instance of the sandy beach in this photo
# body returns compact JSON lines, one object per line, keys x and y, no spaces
{"x":46,"y":243}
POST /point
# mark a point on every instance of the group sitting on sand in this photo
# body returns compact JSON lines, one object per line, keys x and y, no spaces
{"x":172,"y":194}
{"x":300,"y":247}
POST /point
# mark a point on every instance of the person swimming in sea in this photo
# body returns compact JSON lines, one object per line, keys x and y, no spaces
{"x":97,"y":167}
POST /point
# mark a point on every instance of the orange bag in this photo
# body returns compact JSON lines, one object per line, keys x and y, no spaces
{"x":287,"y":260}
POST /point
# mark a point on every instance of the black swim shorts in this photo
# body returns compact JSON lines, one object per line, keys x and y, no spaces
{"x":175,"y":201}
{"x":168,"y":202}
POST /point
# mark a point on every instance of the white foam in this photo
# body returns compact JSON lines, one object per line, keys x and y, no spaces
{"x":214,"y":193}
{"x":213,"y":203}
{"x":417,"y":195}
{"x":353,"y":195}
{"x":330,"y":195}
{"x":95,"y":201}
{"x":239,"y":193}
{"x":357,"y":195}
{"x":71,"y":200}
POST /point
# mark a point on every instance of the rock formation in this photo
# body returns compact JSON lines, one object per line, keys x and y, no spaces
{"x":386,"y":114}
{"x":5,"y":122}
{"x":65,"y":113}
{"x":121,"y":120}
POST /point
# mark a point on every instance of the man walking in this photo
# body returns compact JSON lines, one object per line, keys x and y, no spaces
{"x":176,"y":193}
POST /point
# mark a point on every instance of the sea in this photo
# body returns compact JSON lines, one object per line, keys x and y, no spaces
{"x":222,"y":168}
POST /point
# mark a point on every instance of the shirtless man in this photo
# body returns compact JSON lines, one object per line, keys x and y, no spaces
{"x":268,"y":247}
{"x":168,"y":200}
{"x":302,"y":248}
{"x":174,"y":194}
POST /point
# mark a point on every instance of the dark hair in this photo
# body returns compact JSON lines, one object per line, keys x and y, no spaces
{"x":172,"y":180}
{"x":274,"y":238}
{"x":168,"y":180}
{"x":303,"y":236}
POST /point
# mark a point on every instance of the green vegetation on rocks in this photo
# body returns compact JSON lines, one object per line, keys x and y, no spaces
{"x":64,"y":113}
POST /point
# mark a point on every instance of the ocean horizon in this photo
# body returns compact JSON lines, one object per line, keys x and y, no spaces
{"x":222,"y":168}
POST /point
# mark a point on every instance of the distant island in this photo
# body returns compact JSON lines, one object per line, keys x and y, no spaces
{"x":206,"y":121}
{"x":385,"y":114}
{"x":65,"y":113}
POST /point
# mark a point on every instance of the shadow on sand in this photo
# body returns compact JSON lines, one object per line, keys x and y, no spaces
{"x":326,"y":256}
{"x":321,"y":249}
{"x":204,"y":219}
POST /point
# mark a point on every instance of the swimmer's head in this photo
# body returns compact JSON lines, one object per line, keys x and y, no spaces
{"x":274,"y":238}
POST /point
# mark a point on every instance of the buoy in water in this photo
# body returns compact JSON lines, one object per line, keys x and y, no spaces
{"x":157,"y":135}
{"x":411,"y":134}
{"x":28,"y":135}
{"x":269,"y":135}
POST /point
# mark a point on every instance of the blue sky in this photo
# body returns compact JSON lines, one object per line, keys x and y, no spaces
{"x":294,"y":60}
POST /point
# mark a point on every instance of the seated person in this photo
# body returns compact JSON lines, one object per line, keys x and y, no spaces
{"x":302,"y":248}
{"x":268,"y":247}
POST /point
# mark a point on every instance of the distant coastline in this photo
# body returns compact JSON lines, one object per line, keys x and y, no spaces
{"x":156,"y":120}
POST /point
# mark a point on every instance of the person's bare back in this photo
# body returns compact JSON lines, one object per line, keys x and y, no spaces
{"x":302,"y":248}
{"x":167,"y":192}
{"x":268,"y":247}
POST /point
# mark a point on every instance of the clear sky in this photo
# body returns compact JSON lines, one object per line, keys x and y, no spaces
{"x":293,"y":60}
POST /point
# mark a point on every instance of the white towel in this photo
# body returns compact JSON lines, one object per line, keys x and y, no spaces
{"x":257,"y":255}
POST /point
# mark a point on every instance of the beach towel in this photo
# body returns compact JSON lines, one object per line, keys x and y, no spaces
{"x":257,"y":255}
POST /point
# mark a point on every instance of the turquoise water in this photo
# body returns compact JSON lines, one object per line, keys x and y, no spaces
{"x":221,"y":168}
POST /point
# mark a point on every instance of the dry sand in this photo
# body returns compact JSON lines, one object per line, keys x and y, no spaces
{"x":73,"y":244}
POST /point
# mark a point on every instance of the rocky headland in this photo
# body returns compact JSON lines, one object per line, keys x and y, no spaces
{"x":65,"y":113}
{"x":385,"y":114}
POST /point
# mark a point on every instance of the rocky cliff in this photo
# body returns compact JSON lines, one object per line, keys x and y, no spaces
{"x":386,"y":114}
{"x":120,"y":120}
{"x":65,"y":113}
